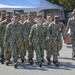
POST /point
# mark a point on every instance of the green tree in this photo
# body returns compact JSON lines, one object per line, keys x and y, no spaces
{"x":67,"y":4}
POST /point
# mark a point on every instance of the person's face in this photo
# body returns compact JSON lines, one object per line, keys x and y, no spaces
{"x":15,"y":19}
{"x":8,"y":17}
{"x":56,"y":19}
{"x":3,"y":16}
{"x":22,"y":17}
{"x":39,"y":20}
{"x":30,"y":17}
{"x":42,"y":15}
{"x":49,"y":18}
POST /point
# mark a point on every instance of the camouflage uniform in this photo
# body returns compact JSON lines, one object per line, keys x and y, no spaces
{"x":71,"y":23}
{"x":44,"y":20}
{"x":27,"y":26}
{"x":1,"y":43}
{"x":1,"y":19}
{"x":22,"y":15}
{"x":55,"y":36}
{"x":53,"y":33}
{"x":3,"y":25}
{"x":15,"y":37}
{"x":37,"y":36}
{"x":42,"y":51}
{"x":47,"y":42}
{"x":61,"y":33}
{"x":21,"y":22}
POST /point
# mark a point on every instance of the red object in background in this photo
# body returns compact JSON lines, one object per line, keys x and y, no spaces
{"x":68,"y":39}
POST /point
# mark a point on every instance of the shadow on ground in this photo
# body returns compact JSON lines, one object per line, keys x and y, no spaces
{"x":46,"y":67}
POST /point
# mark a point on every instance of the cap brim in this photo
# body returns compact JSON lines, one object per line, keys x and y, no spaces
{"x":22,"y":15}
{"x":15,"y":16}
{"x":56,"y":16}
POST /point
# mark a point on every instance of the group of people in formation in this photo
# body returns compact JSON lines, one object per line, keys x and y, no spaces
{"x":18,"y":35}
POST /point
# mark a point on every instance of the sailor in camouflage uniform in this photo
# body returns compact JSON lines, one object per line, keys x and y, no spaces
{"x":22,"y":18}
{"x":2,"y":16}
{"x":15,"y":37}
{"x":37,"y":36}
{"x":1,"y":19}
{"x":47,"y":42}
{"x":3,"y":25}
{"x":27,"y":25}
{"x":43,"y":15}
{"x":43,"y":20}
{"x":55,"y":30}
{"x":71,"y":25}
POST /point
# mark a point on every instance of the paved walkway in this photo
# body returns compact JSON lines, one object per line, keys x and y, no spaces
{"x":66,"y":67}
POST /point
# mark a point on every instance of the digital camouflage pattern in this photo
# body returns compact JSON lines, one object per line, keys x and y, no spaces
{"x":3,"y":25}
{"x":27,"y":26}
{"x":15,"y":37}
{"x":47,"y":42}
{"x":55,"y":31}
{"x":71,"y":23}
{"x":37,"y":37}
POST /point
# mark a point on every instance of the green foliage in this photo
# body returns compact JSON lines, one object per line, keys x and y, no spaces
{"x":67,"y":4}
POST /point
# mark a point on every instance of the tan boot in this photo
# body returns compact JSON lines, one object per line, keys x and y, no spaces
{"x":22,"y":58}
{"x":8,"y":62}
{"x":15,"y":65}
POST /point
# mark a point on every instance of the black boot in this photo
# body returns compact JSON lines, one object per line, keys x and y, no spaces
{"x":49,"y":61}
{"x":73,"y":57}
{"x":30,"y":61}
{"x":42,"y":58}
{"x":56,"y":63}
{"x":2,"y":59}
{"x":39,"y":64}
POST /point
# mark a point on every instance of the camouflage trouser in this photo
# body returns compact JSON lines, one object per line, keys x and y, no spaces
{"x":59,"y":45}
{"x":30,"y":50}
{"x":7,"y":51}
{"x":48,"y":49}
{"x":37,"y":51}
{"x":73,"y":44}
{"x":54,"y":49}
{"x":25,"y":48}
{"x":2,"y":48}
{"x":17,"y":49}
{"x":42,"y":50}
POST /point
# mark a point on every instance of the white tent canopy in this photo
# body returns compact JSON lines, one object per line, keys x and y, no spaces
{"x":30,"y":6}
{"x":27,"y":5}
{"x":12,"y":8}
{"x":43,"y":4}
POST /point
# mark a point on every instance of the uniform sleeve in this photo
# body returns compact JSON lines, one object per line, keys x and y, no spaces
{"x":48,"y":32}
{"x":50,"y":29}
{"x":31,"y":34}
{"x":24,"y":32}
{"x":63,"y":31}
{"x":1,"y":26}
{"x":69,"y":22}
{"x":45,"y":30}
{"x":25,"y":29}
{"x":7,"y":34}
